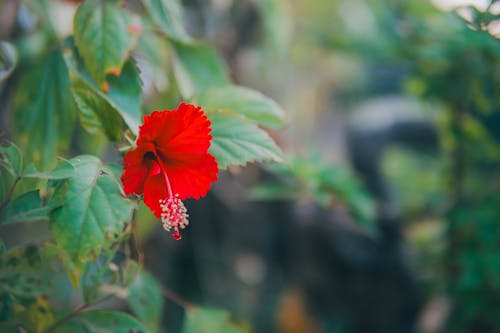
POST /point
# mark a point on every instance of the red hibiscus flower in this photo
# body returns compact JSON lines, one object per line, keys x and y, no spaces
{"x":171,"y":163}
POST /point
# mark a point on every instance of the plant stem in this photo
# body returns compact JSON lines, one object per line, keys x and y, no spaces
{"x":176,"y":299}
{"x":75,"y":312}
{"x":137,"y":246}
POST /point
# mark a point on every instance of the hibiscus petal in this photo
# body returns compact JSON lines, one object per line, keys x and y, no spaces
{"x":185,"y":130}
{"x":155,"y":190}
{"x":192,"y":175}
{"x":137,"y":169}
{"x":133,"y":178}
{"x":134,"y":172}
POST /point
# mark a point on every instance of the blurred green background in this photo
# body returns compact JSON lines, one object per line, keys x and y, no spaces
{"x":400,"y":98}
{"x":386,"y":216}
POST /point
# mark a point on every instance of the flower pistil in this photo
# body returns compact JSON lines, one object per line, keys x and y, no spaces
{"x":173,"y":212}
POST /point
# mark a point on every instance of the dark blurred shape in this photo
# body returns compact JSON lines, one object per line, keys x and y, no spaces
{"x":367,"y":147}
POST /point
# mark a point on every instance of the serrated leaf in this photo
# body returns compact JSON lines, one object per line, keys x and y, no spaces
{"x":236,"y":141}
{"x":63,"y":170}
{"x":94,"y":209}
{"x":104,"y":321}
{"x":197,"y":67}
{"x":167,"y":15}
{"x":44,"y":114}
{"x":125,"y":95}
{"x":115,"y":169}
{"x":250,"y":103}
{"x":28,"y":207}
{"x":146,"y":300}
{"x":103,"y":37}
{"x":97,"y":107}
{"x":96,"y":114}
{"x":205,"y":320}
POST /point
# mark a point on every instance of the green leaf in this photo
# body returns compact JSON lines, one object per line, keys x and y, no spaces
{"x":146,"y":299}
{"x":236,"y":141}
{"x":44,"y":114}
{"x":94,"y":209}
{"x":129,"y":272}
{"x":197,"y":67}
{"x":125,"y":95}
{"x":99,"y":110}
{"x":311,"y":177}
{"x":28,"y":207}
{"x":35,"y":316}
{"x":73,"y":269}
{"x":250,"y":103}
{"x":96,"y":114}
{"x":167,"y":15}
{"x":22,"y":272}
{"x":337,"y":180}
{"x":11,"y":165}
{"x":155,"y":49}
{"x":11,"y":159}
{"x":63,"y":170}
{"x":24,"y":282}
{"x":104,"y":321}
{"x":103,"y":37}
{"x":204,"y":320}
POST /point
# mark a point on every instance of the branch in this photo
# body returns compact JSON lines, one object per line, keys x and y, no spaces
{"x":75,"y":312}
{"x":135,"y":241}
{"x":176,"y":298}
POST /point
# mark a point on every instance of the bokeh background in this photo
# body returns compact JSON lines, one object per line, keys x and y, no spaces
{"x":386,"y":216}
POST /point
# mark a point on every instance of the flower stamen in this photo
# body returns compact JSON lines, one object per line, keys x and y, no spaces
{"x":174,"y":215}
{"x":173,"y":212}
